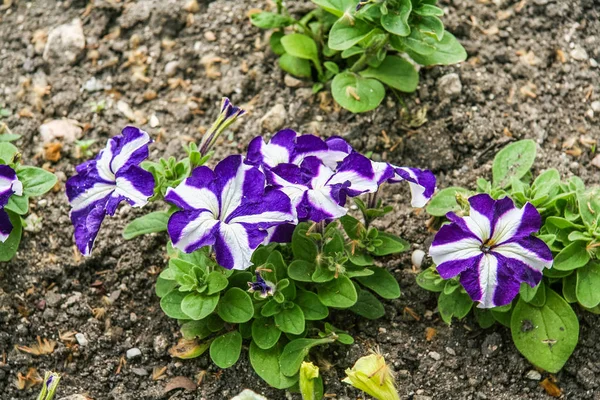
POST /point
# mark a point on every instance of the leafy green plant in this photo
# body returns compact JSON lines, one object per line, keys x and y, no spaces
{"x":18,"y":183}
{"x":324,"y":268}
{"x":544,"y":326}
{"x":360,"y":48}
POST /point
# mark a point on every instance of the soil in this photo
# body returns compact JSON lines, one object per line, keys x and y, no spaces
{"x":532,"y":72}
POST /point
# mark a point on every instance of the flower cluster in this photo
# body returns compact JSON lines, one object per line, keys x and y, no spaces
{"x":9,"y":185}
{"x":492,"y":250}
{"x":101,"y":184}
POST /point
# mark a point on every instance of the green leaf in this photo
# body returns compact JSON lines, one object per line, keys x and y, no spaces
{"x":428,"y":10}
{"x":569,"y":288}
{"x":456,"y":304}
{"x":10,"y":246}
{"x":588,"y":285}
{"x":275,"y":42}
{"x":546,"y":335}
{"x":381,"y":282}
{"x":225,"y":350}
{"x":266,"y":364}
{"x":300,"y":46}
{"x":36,"y":181}
{"x":396,"y":72}
{"x":235,"y":307}
{"x":392,"y":244}
{"x":572,"y":257}
{"x":513,"y":162}
{"x":433,"y":26}
{"x":347,"y":32}
{"x":164,"y":286}
{"x":311,"y":306}
{"x":589,"y":207}
{"x":563,"y":223}
{"x":198,"y":306}
{"x":265,"y":333}
{"x":291,"y":320}
{"x":430,"y":280}
{"x":539,"y":294}
{"x":336,"y":7}
{"x":300,"y":270}
{"x":271,"y":308}
{"x":332,"y":67}
{"x":447,"y":51}
{"x":7,"y":152}
{"x":445,"y":201}
{"x":149,"y":223}
{"x":171,"y":304}
{"x":295,"y":66}
{"x":295,"y":352}
{"x":269,"y":20}
{"x":339,"y":293}
{"x":303,"y":247}
{"x":240,"y":279}
{"x":195,"y":329}
{"x":396,"y":20}
{"x":9,"y":137}
{"x":368,"y":306}
{"x":545,"y":183}
{"x":216,"y":282}
{"x":355,"y":93}
{"x":352,"y":226}
{"x":18,"y":204}
{"x":484,"y":317}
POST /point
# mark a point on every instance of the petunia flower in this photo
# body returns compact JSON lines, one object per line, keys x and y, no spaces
{"x":492,"y":250}
{"x":229,"y":113}
{"x":228,"y":209}
{"x":101,"y":184}
{"x":9,"y":185}
{"x":265,"y":288}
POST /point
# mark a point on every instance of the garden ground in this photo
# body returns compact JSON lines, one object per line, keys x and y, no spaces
{"x":163,"y":65}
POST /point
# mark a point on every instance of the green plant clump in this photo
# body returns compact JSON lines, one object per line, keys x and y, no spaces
{"x":544,"y":326}
{"x":360,"y":48}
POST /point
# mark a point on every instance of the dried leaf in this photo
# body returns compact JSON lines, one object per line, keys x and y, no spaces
{"x":158,"y":373}
{"x":52,"y":151}
{"x":551,"y":388}
{"x":430,"y":333}
{"x":180,"y":382}
{"x":560,"y":56}
{"x":529,"y":90}
{"x":42,"y":347}
{"x":32,"y":378}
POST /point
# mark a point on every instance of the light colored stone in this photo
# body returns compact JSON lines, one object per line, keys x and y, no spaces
{"x":292,"y":82}
{"x":579,"y":54}
{"x":81,"y":339}
{"x":533,"y":375}
{"x":126,"y":110}
{"x":417,"y":258}
{"x":171,"y":68}
{"x":596,"y":106}
{"x":450,"y":351}
{"x":435,"y":355}
{"x":210,"y":36}
{"x":65,"y":43}
{"x":596,"y":161}
{"x":75,"y":397}
{"x":65,"y":130}
{"x":93,"y":85}
{"x":154,"y":122}
{"x":33,"y":223}
{"x":248,"y":394}
{"x":133,"y":353}
{"x":274,"y":119}
{"x":449,"y":86}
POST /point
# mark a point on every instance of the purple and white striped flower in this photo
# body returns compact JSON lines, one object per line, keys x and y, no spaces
{"x":265,"y":288}
{"x":228,"y":115}
{"x":101,"y":184}
{"x":492,"y":250}
{"x":228,"y":209}
{"x":9,"y":185}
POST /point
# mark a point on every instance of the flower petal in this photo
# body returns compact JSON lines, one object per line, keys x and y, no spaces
{"x":358,"y":171}
{"x":280,"y":234}
{"x":9,"y":184}
{"x":453,"y":250}
{"x":235,"y":244}
{"x":129,"y":148}
{"x":237,"y":182}
{"x":191,"y":230}
{"x":274,"y":208}
{"x":497,"y":283}
{"x":134,"y":185}
{"x":531,"y":251}
{"x":6,"y":226}
{"x":196,"y":192}
{"x":421,"y":183}
{"x":322,"y":204}
{"x":87,"y":216}
{"x":280,"y":149}
{"x":514,"y":224}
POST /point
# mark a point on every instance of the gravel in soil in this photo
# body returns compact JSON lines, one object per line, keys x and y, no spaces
{"x":163,"y":65}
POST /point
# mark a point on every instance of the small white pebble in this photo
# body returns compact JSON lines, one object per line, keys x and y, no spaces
{"x":533,"y":375}
{"x":435,"y":355}
{"x":450,"y":351}
{"x":417,"y":258}
{"x":81,"y":339}
{"x":133,"y":353}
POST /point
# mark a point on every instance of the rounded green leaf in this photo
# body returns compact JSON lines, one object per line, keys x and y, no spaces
{"x":36,"y":181}
{"x":235,"y":306}
{"x":10,"y":246}
{"x":7,"y":152}
{"x":266,"y":364}
{"x":225,"y":350}
{"x":445,"y":52}
{"x":291,"y":320}
{"x":396,"y":72}
{"x":355,"y":93}
{"x":396,"y":20}
{"x":198,"y":306}
{"x":381,"y":282}
{"x":295,"y":66}
{"x":456,"y":304}
{"x":195,"y":329}
{"x":588,"y":285}
{"x":269,"y":20}
{"x":216,"y":282}
{"x":391,"y":244}
{"x":311,"y":306}
{"x":149,"y":223}
{"x":347,"y":32}
{"x":300,"y":270}
{"x":265,"y":333}
{"x":368,"y":306}
{"x":295,"y":351}
{"x":445,"y":201}
{"x":546,"y":335}
{"x":513,"y":162}
{"x":572,"y":257}
{"x":300,"y":46}
{"x":171,"y":304}
{"x":336,"y":7}
{"x":339,"y":293}
{"x":18,"y":204}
